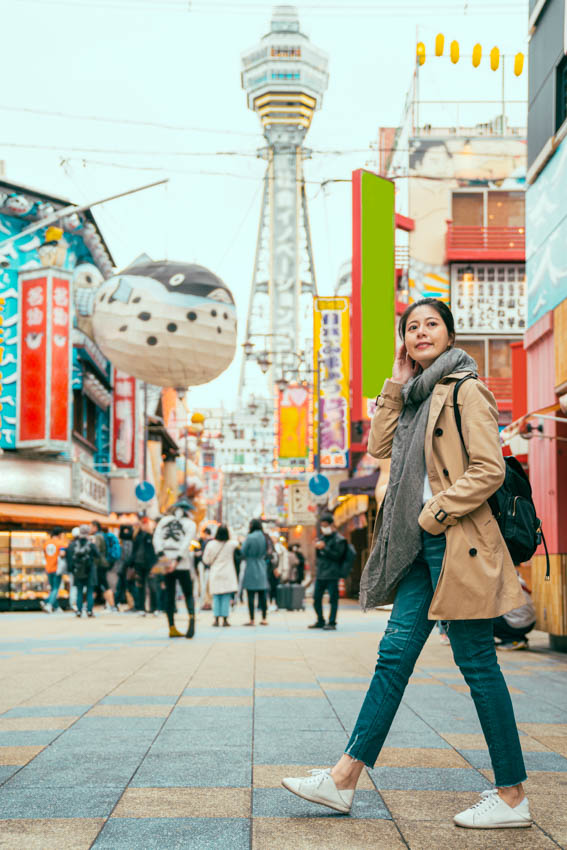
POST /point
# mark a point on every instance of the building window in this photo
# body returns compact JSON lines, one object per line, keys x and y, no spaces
{"x":561,"y":110}
{"x":488,"y":209}
{"x":468,"y":209}
{"x":505,"y":209}
{"x":78,"y":412}
{"x":90,"y":429}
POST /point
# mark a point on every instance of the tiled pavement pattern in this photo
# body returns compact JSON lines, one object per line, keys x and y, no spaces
{"x":114,"y":737}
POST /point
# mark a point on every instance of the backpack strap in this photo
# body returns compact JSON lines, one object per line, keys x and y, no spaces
{"x":547,"y":567}
{"x":455,"y":404}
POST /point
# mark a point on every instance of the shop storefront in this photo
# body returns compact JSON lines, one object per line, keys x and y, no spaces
{"x":51,"y":495}
{"x":354,"y":517}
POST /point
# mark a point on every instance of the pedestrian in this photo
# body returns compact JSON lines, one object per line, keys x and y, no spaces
{"x":69,"y":557}
{"x":331,"y":551}
{"x":438,"y":555}
{"x":143,"y":559}
{"x":172,"y":543}
{"x":219,"y":557}
{"x":51,"y":552}
{"x":272,"y":561}
{"x":114,"y":558}
{"x":104,"y":565}
{"x":85,"y":558}
{"x":512,"y":628}
{"x":255,"y":573}
{"x":300,"y":563}
{"x":125,"y":573}
{"x":205,"y":602}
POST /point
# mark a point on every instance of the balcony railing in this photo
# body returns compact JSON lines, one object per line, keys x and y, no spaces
{"x":501,"y":388}
{"x":485,"y":243}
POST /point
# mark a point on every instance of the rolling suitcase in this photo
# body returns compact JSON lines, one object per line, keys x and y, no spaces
{"x":283,"y":596}
{"x":290,"y":597}
{"x":297,"y":595}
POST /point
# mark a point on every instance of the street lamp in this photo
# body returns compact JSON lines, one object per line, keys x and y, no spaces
{"x":264,"y":363}
{"x":282,"y":384}
{"x":247,"y":346}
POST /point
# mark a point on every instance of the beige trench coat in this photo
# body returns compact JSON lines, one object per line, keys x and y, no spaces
{"x":478,"y":579}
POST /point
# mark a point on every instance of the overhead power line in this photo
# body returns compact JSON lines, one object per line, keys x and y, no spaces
{"x":127,"y":121}
{"x":214,"y":8}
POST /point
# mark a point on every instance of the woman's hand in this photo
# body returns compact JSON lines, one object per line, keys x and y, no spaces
{"x":404,"y":367}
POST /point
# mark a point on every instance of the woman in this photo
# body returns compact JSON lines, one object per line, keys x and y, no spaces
{"x":439,"y":555}
{"x":125,"y":583}
{"x":223,"y":581}
{"x":256,"y":572}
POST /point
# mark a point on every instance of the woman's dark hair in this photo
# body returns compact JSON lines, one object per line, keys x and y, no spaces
{"x":439,"y":306}
{"x":222,"y":533}
{"x":126,"y":532}
{"x":255,"y":525}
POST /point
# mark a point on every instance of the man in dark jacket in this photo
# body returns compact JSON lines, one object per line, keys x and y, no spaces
{"x":82,"y":561}
{"x":143,"y":559}
{"x":331,"y":551}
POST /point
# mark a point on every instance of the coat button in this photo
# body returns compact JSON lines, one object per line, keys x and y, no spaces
{"x":438,"y":432}
{"x":446,"y":473}
{"x":472,"y":552}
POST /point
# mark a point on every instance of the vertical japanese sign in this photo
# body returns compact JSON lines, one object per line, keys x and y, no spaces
{"x":44,"y":362}
{"x":8,"y":358}
{"x":331,"y":353}
{"x":373,"y":287}
{"x":32,"y":363}
{"x":293,"y":406}
{"x":61,"y":376}
{"x":124,"y":440}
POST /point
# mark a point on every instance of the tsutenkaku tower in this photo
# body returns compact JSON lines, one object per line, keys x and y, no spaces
{"x":284,"y":76}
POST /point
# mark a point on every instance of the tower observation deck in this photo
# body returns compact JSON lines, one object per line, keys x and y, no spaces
{"x":284,"y":77}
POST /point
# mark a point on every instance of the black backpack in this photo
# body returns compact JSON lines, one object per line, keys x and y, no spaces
{"x":349,"y":559}
{"x":512,"y":504}
{"x":82,"y":560}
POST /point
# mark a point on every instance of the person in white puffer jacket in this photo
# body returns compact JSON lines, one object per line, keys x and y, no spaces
{"x":172,"y":543}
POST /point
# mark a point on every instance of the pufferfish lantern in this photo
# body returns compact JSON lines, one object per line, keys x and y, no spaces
{"x":169,"y":324}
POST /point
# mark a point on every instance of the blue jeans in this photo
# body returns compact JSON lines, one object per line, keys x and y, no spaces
{"x":81,"y":585}
{"x":221,"y":604}
{"x":54,"y":584}
{"x":473,"y":650}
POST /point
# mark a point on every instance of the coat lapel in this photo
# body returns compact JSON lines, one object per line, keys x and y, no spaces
{"x":438,"y":398}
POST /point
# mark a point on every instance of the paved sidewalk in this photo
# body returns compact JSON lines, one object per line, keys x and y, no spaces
{"x":114,"y":737}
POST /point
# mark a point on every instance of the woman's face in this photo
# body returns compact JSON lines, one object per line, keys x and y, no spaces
{"x":426,"y":336}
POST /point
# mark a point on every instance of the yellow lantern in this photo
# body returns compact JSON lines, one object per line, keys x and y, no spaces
{"x":420,"y":53}
{"x":454,"y":52}
{"x":439,"y":44}
{"x":476,"y":55}
{"x":494,"y":58}
{"x":197,"y":418}
{"x":518,"y":64}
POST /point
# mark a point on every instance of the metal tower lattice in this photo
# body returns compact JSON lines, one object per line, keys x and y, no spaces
{"x":284,"y":77}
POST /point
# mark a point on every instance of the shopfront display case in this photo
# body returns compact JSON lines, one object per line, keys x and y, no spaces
{"x":23,"y":580}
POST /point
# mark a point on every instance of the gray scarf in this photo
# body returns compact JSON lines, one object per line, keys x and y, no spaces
{"x":399,"y":539}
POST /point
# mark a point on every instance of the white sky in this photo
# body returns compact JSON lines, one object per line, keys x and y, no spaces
{"x":156,"y":61}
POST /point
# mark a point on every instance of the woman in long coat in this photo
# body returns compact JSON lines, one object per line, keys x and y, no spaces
{"x":256,"y":572}
{"x":223,"y":581}
{"x":438,"y":554}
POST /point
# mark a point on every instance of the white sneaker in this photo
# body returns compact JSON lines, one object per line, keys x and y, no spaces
{"x":491,"y":812}
{"x":320,"y":788}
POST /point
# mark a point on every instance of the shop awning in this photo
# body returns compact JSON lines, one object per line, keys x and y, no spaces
{"x":365,"y":485}
{"x":17,"y":513}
